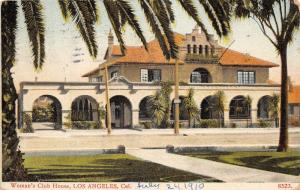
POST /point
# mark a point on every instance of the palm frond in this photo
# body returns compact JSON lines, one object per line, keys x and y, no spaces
{"x":114,"y":16}
{"x":129,"y":16}
{"x":63,"y":4}
{"x":84,"y":20}
{"x":36,"y":30}
{"x":191,"y":10}
{"x":92,"y":7}
{"x":168,"y":7}
{"x":165,"y":23}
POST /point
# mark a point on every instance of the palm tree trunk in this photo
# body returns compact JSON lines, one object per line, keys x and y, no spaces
{"x":283,"y":138}
{"x":12,"y":163}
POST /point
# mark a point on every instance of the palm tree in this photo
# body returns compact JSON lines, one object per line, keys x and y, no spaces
{"x":278,"y":20}
{"x":273,"y":105}
{"x":190,"y":106}
{"x":220,"y":105}
{"x":248,"y":102}
{"x":166,"y":90}
{"x":157,"y":108}
{"x":159,"y":14}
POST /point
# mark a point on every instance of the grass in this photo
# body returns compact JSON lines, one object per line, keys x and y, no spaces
{"x":281,"y":162}
{"x":100,"y":168}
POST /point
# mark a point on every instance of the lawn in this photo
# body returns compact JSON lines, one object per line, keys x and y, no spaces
{"x":281,"y":162}
{"x":105,"y":167}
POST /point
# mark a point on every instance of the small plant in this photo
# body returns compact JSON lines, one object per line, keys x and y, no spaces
{"x":207,"y":123}
{"x":27,"y":125}
{"x":264,"y":123}
{"x":233,"y":125}
{"x":147,"y":124}
{"x":85,"y":125}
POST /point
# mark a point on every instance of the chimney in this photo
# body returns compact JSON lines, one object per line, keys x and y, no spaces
{"x":110,"y":40}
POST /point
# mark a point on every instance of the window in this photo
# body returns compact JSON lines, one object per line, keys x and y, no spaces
{"x":113,"y":74}
{"x":200,"y":49}
{"x":246,"y":77}
{"x":194,"y":49}
{"x":189,"y":48}
{"x":150,"y":75}
{"x":96,"y":79}
{"x":193,"y":38}
{"x":206,"y":49}
{"x":199,"y":76}
{"x":291,"y":110}
{"x":239,"y":108}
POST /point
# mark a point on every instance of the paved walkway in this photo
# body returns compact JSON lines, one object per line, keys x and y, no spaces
{"x":221,"y":171}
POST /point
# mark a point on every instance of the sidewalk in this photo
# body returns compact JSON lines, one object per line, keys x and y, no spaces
{"x":221,"y":171}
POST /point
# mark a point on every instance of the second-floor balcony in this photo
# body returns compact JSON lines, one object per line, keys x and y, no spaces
{"x":201,"y":58}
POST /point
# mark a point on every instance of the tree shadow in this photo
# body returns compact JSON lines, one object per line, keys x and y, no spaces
{"x":115,"y":170}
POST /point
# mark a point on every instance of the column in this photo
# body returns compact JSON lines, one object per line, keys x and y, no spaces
{"x":226,"y":118}
{"x":254,"y":115}
{"x":66,"y":119}
{"x":135,"y":118}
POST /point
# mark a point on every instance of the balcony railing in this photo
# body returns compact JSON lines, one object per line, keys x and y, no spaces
{"x":202,"y":58}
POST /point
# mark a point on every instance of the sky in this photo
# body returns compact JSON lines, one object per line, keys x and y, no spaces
{"x":67,"y":58}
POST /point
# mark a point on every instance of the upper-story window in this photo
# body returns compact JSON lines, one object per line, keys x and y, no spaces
{"x":200,"y":75}
{"x":189,"y":48}
{"x":195,"y":49}
{"x":206,"y":49}
{"x":246,"y":77}
{"x":150,"y":75}
{"x":96,"y":79}
{"x":193,"y":38}
{"x":200,"y":49}
{"x":113,"y":74}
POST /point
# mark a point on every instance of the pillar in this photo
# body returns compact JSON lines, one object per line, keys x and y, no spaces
{"x":135,"y":118}
{"x":254,"y":115}
{"x":226,"y":118}
{"x":66,"y":119}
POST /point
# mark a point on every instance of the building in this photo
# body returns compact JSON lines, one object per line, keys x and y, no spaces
{"x":294,"y":105}
{"x":204,"y":66}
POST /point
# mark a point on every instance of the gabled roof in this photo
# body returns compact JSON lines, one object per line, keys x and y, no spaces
{"x":154,"y":55}
{"x":294,"y":95}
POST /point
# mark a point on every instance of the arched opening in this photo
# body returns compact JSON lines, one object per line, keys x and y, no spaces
{"x":194,"y":49}
{"x":200,"y":75}
{"x":183,"y":115}
{"x":206,"y":50}
{"x":188,"y":48}
{"x":209,"y":108}
{"x":263,"y":107}
{"x":47,"y":108}
{"x":84,"y":108}
{"x":239,"y":108}
{"x":200,"y":49}
{"x":144,"y":114}
{"x":121,"y":112}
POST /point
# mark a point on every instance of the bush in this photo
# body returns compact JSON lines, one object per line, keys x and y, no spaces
{"x":207,"y":123}
{"x":264,"y":123}
{"x":85,"y":125}
{"x":233,"y":125}
{"x":147,"y":124}
{"x":27,"y":124}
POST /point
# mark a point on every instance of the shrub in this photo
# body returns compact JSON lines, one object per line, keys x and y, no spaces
{"x":147,"y":124}
{"x":264,"y":123}
{"x":207,"y":123}
{"x":233,"y":125}
{"x":27,"y":124}
{"x":85,"y":125}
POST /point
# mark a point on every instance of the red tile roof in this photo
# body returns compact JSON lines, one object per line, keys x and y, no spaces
{"x":294,"y":95}
{"x":154,"y":55}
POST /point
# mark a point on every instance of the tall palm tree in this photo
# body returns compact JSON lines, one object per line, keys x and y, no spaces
{"x":190,"y":106}
{"x":220,"y":105}
{"x":278,"y":20}
{"x":159,"y":14}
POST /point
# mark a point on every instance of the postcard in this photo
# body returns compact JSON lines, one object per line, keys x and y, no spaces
{"x":149,"y":95}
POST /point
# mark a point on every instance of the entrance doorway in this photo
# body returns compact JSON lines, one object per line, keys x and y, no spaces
{"x":121,"y":112}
